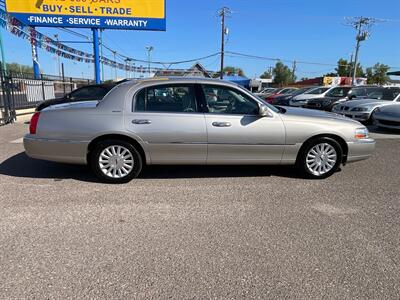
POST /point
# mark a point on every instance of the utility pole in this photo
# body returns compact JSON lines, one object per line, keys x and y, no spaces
{"x":362,"y":26}
{"x":115,"y":64}
{"x":294,"y":70}
{"x":128,"y":67}
{"x":222,"y":13}
{"x":58,"y":56}
{"x":350,"y":64}
{"x":149,"y":49}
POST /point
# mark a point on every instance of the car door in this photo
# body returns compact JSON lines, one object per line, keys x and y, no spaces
{"x":237,"y":134}
{"x":167,"y":118}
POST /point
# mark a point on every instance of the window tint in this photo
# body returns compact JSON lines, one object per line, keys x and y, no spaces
{"x":317,"y":91}
{"x":167,"y":98}
{"x":224,"y":100}
{"x":388,"y":94}
{"x":338,"y":92}
{"x":358,"y":92}
{"x":90,"y":92}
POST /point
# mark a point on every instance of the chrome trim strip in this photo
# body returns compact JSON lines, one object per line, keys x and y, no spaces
{"x":54,"y":140}
{"x":234,"y":144}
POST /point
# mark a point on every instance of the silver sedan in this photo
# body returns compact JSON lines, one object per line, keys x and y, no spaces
{"x":387,"y":116}
{"x":363,"y":109}
{"x":192,"y":121}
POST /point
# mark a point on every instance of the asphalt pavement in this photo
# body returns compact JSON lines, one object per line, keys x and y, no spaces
{"x":199,"y":232}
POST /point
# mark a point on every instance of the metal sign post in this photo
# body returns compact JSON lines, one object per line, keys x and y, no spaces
{"x":35,"y":58}
{"x":96,"y":53}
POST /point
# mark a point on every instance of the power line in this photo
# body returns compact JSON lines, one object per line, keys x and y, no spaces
{"x":235,"y":54}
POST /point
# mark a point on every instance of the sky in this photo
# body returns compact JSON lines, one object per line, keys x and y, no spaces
{"x":301,"y":30}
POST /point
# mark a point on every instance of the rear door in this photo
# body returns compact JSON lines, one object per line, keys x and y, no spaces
{"x":236,"y":132}
{"x":167,"y":118}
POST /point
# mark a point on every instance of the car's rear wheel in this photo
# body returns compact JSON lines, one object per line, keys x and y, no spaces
{"x":115,"y":161}
{"x":320,"y":158}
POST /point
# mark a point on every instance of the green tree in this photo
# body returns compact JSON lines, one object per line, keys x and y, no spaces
{"x":345,"y":69}
{"x":229,"y":70}
{"x":378,"y":74}
{"x":266,"y":75}
{"x":283,"y":75}
{"x":18,"y":68}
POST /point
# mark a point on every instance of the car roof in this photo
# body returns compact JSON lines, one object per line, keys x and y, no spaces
{"x":123,"y":88}
{"x":175,"y":80}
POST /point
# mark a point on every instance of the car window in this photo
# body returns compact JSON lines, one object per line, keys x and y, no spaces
{"x":357,"y":92}
{"x":371,"y":91}
{"x":89,"y":92}
{"x":317,"y":91}
{"x":388,"y":94}
{"x":167,"y":98}
{"x":338,"y":92}
{"x":225,"y":100}
{"x":300,"y":91}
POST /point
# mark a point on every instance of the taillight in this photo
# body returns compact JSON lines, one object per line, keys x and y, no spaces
{"x":34,"y":123}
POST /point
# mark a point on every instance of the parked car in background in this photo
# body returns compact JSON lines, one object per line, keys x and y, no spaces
{"x":316,"y":92}
{"x":85,"y":93}
{"x":283,"y":91}
{"x":192,"y":121}
{"x":363,"y":109}
{"x":340,"y":94}
{"x":387,"y":116}
{"x":265,"y":92}
{"x":283,"y":100}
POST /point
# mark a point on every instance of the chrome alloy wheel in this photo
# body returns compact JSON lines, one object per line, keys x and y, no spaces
{"x":321,"y":159}
{"x":116,"y":161}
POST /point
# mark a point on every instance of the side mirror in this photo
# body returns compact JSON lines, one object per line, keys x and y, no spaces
{"x":263,"y":111}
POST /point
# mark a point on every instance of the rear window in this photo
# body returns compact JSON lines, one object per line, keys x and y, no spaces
{"x":167,"y":98}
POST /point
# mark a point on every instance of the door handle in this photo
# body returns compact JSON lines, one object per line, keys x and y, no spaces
{"x":221,"y":124}
{"x":141,"y":121}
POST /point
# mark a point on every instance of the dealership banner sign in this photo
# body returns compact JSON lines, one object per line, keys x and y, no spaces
{"x":104,"y":14}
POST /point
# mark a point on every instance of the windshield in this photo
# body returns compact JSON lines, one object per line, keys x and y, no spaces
{"x":388,"y":94}
{"x":267,"y":90}
{"x":287,"y":91}
{"x":299,"y":91}
{"x":318,"y":91}
{"x":339,"y":92}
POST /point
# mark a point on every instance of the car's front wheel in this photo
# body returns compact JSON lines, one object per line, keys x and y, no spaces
{"x":115,"y":161}
{"x":320,"y":158}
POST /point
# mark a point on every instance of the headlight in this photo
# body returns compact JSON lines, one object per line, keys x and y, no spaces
{"x":361,"y":133}
{"x":360,"y":109}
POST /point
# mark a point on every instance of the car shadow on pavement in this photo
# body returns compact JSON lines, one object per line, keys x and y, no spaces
{"x":20,"y":165}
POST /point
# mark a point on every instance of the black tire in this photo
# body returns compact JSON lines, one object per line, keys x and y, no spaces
{"x":94,"y":157}
{"x":302,"y":157}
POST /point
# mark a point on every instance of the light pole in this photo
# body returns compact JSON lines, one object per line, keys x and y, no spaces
{"x":128,"y":67}
{"x":115,"y":64}
{"x":57,"y":55}
{"x":149,"y":49}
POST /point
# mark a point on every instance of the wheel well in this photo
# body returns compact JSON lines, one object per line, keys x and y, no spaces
{"x":337,"y":138}
{"x":120,"y":137}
